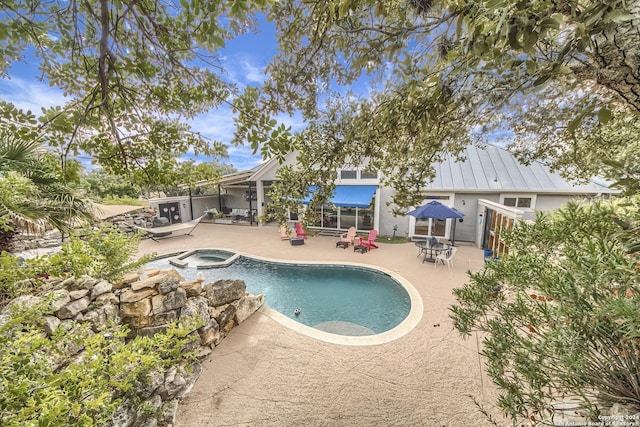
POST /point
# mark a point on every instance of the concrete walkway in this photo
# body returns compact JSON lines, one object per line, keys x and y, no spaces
{"x":265,"y":374}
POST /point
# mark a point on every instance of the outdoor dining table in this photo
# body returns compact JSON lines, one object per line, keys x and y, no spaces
{"x":425,"y":247}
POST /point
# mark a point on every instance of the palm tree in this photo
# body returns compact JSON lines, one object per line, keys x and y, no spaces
{"x":32,"y":198}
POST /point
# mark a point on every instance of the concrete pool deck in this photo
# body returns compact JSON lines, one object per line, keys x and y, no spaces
{"x":266,"y":374}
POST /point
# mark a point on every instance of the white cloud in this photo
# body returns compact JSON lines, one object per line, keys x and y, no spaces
{"x":216,"y":124}
{"x":244,"y":70}
{"x":253,"y":73}
{"x":28,"y":95}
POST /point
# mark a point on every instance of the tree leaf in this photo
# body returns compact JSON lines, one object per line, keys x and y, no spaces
{"x":604,"y":115}
{"x":617,"y":16}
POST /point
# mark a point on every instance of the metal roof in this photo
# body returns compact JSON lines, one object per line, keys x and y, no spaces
{"x":496,"y":170}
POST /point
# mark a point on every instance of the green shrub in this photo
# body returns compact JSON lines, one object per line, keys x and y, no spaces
{"x":564,"y":320}
{"x":105,"y":253}
{"x":77,"y":377}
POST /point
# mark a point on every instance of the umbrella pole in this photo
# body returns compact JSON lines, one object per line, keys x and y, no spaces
{"x":453,"y":232}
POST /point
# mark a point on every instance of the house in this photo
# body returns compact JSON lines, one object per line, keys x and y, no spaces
{"x":490,"y":187}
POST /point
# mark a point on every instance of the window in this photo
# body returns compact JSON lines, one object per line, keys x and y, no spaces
{"x":348,"y":174}
{"x":518,"y":202}
{"x":368,"y":174}
{"x":365,"y":219}
{"x":357,"y":174}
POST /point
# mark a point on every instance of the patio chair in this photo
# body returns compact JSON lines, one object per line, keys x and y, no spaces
{"x":300,"y":231}
{"x":370,"y":242}
{"x":349,"y":236}
{"x":446,"y":257}
{"x":284,"y":232}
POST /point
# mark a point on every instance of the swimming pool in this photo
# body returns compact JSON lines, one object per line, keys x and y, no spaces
{"x":347,"y":300}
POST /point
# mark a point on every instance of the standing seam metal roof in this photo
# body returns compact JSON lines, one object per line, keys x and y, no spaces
{"x":482,"y":166}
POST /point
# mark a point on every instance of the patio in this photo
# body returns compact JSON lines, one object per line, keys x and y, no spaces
{"x":264,"y":373}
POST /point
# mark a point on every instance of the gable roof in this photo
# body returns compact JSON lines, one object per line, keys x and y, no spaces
{"x":495,"y":170}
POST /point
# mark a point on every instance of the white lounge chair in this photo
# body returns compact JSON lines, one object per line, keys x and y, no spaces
{"x":167,"y":231}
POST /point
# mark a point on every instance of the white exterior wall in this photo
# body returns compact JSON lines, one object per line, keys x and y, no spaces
{"x":550,"y":202}
{"x":183,"y":205}
{"x":386,"y":220}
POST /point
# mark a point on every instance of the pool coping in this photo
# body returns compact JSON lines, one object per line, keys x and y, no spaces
{"x":407,"y":325}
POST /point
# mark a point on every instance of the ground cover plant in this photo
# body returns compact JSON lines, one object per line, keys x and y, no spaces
{"x":77,"y":375}
{"x":559,"y":314}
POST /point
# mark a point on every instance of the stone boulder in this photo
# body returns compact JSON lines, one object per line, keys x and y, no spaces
{"x":102,"y":287}
{"x":141,"y":308}
{"x":196,"y":309}
{"x":226,"y":319}
{"x":247,"y":306}
{"x":223,"y":292}
{"x":171,"y":301}
{"x":193,"y":287}
{"x":127,"y":279}
{"x":209,"y":333}
{"x":22,"y":302}
{"x":74,"y":308}
{"x":129,"y":295}
{"x":59,"y":298}
{"x":78,"y":293}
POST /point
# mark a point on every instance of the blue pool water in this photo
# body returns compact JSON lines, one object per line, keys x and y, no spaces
{"x":344,"y":300}
{"x":204,"y":257}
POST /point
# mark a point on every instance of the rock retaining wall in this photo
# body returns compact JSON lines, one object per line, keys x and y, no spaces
{"x":148,"y":303}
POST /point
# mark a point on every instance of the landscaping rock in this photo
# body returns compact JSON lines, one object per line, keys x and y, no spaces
{"x":247,"y":306}
{"x":128,"y":278}
{"x":102,"y":287}
{"x":137,"y":322}
{"x":149,"y":282}
{"x":140,"y":308}
{"x":209,"y":334}
{"x":164,"y":318}
{"x":74,"y":308}
{"x":196,"y":308}
{"x":130,"y":295}
{"x":154,"y":380}
{"x":77,"y":294}
{"x":86,"y":282}
{"x":193,"y":288}
{"x":148,"y":306}
{"x":150,"y":331}
{"x":170,"y":301}
{"x":168,"y":285}
{"x":59,"y":298}
{"x":21,"y":303}
{"x":50,"y":324}
{"x":108,"y":298}
{"x":226,"y":319}
{"x":224,"y":291}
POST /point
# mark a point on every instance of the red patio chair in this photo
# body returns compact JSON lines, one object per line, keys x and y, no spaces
{"x":300,"y":231}
{"x":371,"y":238}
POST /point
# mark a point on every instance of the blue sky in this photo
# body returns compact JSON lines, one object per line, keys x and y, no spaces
{"x":244,"y":60}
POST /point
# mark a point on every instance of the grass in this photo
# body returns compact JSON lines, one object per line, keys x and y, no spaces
{"x":391,"y":239}
{"x":122,"y":201}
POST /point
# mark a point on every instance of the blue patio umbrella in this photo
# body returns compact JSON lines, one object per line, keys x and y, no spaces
{"x":437,"y":210}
